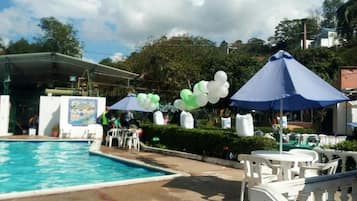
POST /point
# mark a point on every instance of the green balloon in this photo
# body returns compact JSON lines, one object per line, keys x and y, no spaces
{"x":185,"y":93}
{"x":141,"y":96}
{"x":156,"y":98}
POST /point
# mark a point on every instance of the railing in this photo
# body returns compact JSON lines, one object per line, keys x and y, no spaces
{"x":344,"y":155}
{"x":340,"y":186}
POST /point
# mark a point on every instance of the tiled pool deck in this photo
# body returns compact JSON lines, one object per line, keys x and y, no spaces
{"x":207,"y":182}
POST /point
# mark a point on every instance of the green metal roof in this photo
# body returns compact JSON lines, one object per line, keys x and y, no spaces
{"x":47,"y":66}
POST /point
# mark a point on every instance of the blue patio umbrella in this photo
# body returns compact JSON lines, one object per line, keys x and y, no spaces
{"x":285,"y":84}
{"x":129,"y":103}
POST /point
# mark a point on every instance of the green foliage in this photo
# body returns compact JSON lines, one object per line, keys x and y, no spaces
{"x":289,"y":33}
{"x":210,"y":142}
{"x":285,"y":130}
{"x":323,"y":61}
{"x":164,"y":63}
{"x":346,"y":20}
{"x":21,"y":46}
{"x":59,"y":37}
{"x":346,"y":145}
{"x":329,"y":9}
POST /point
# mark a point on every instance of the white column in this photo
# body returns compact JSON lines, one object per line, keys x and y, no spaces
{"x":4,"y":115}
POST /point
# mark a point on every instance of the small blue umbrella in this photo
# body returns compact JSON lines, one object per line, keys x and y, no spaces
{"x":129,"y":103}
{"x":285,"y":84}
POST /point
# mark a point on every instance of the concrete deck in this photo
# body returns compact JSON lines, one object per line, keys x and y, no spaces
{"x":207,"y":182}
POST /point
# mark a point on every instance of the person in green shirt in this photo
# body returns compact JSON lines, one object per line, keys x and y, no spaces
{"x":104,"y":120}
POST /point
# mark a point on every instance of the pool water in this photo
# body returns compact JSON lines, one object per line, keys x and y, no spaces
{"x":28,"y":166}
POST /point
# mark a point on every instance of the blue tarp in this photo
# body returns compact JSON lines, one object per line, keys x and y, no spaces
{"x":129,"y":103}
{"x":284,"y":78}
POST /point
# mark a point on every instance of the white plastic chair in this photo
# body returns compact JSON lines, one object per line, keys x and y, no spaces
{"x":66,"y":131}
{"x":133,"y":140}
{"x":295,"y":171}
{"x":310,"y":139}
{"x":317,"y":169}
{"x":112,"y":134}
{"x":255,"y":171}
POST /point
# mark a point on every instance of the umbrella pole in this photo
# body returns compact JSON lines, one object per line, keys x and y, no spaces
{"x":281,"y":126}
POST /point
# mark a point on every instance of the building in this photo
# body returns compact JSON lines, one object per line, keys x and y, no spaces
{"x":346,"y":112}
{"x":26,"y":77}
{"x":326,"y":38}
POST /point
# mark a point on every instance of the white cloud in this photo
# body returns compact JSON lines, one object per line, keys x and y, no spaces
{"x":88,"y":60}
{"x":118,"y":56}
{"x":130,"y":23}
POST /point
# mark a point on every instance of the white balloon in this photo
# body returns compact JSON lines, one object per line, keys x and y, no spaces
{"x":212,"y":98}
{"x":202,"y":100}
{"x":220,"y":76}
{"x":223,"y":92}
{"x":212,"y":86}
{"x":226,"y":84}
{"x":202,"y":86}
{"x":179,"y":104}
{"x":196,"y":90}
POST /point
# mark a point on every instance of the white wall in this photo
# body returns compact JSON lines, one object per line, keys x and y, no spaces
{"x":49,"y":114}
{"x":345,"y":112}
{"x":4,"y":115}
{"x":77,"y":131}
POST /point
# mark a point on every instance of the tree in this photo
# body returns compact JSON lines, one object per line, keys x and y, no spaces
{"x":169,"y":65}
{"x":329,"y":9}
{"x":323,"y":61}
{"x":2,"y":46}
{"x":289,"y":33}
{"x":59,"y":37}
{"x":347,"y":20}
{"x":21,"y":46}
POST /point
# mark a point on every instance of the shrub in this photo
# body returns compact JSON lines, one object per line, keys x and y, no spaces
{"x":346,"y":145}
{"x":210,"y":142}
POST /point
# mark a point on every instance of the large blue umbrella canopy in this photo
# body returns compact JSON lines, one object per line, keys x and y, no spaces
{"x":285,"y":84}
{"x":129,"y":103}
{"x":285,"y":79}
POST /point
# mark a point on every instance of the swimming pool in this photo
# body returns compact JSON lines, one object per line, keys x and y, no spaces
{"x":26,"y":166}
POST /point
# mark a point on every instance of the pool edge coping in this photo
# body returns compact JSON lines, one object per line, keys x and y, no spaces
{"x":84,"y":187}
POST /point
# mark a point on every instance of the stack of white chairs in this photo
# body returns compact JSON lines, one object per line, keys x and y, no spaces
{"x":255,"y":171}
{"x":158,"y":118}
{"x":323,"y":140}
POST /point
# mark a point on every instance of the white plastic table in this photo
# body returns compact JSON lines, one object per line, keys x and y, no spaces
{"x":286,"y":160}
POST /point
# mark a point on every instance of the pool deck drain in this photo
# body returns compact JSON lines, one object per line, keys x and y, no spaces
{"x":206,"y":181}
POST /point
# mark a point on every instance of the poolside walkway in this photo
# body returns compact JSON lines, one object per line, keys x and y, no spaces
{"x":207,"y":182}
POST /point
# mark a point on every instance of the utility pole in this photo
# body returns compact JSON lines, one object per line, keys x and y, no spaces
{"x":305,"y":36}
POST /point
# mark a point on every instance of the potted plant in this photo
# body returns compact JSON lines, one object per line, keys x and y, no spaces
{"x":55,"y":130}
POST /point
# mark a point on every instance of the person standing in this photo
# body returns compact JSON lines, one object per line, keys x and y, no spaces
{"x":127,"y":117}
{"x":104,"y":120}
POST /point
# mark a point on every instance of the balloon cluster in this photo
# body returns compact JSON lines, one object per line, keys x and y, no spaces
{"x":148,"y":101}
{"x":204,"y":92}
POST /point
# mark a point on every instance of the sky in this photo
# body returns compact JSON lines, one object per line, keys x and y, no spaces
{"x":115,"y":28}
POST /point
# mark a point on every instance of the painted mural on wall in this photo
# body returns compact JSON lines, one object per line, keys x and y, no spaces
{"x":82,"y":112}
